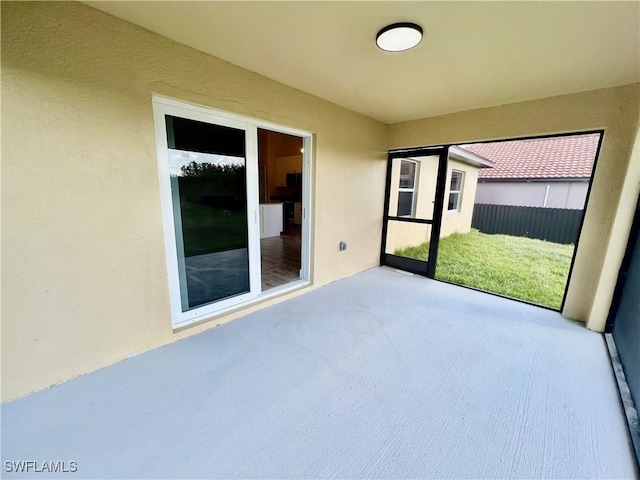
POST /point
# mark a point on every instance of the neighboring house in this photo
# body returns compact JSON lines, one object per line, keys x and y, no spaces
{"x":548,"y":172}
{"x":465,"y":168}
{"x":413,"y":189}
{"x":87,"y":255}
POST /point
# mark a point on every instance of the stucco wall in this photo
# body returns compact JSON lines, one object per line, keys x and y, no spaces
{"x":570,"y":195}
{"x":460,"y":221}
{"x":401,"y":234}
{"x":84,"y":279}
{"x":616,"y":183}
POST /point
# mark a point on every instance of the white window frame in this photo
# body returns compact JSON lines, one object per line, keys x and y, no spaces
{"x":412,"y":190}
{"x":162,"y":106}
{"x":458,"y":206}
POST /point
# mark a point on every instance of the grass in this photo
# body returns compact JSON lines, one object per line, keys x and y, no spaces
{"x":523,"y":268}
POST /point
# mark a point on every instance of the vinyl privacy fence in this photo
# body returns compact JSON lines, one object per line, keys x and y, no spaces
{"x":557,"y":225}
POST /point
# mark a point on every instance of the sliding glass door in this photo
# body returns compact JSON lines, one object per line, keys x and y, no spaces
{"x":210,"y":192}
{"x":215,"y":224}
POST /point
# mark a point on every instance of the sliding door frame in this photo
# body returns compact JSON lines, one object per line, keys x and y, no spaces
{"x":168,"y":106}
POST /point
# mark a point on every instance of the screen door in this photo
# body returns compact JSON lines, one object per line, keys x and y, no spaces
{"x":413,"y":209}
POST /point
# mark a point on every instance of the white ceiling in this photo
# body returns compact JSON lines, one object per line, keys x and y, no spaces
{"x":473,"y":55}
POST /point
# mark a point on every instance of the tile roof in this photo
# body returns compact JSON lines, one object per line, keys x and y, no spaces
{"x":558,"y":157}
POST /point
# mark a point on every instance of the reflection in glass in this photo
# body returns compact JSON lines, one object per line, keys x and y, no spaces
{"x":208,"y":187}
{"x":456,"y":180}
{"x":407,"y":174}
{"x":405,"y":203}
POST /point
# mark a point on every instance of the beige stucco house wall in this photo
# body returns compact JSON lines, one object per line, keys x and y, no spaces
{"x":84,"y":271}
{"x":460,"y":221}
{"x":84,"y":277}
{"x":402,"y":234}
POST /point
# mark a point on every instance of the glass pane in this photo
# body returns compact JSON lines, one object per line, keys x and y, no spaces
{"x":405,"y":203}
{"x":208,"y":188}
{"x":453,"y":201}
{"x":410,"y":240}
{"x":407,"y":174}
{"x":456,"y":181}
{"x":413,"y":187}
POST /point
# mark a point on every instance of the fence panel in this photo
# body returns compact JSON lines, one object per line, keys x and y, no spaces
{"x":557,"y":225}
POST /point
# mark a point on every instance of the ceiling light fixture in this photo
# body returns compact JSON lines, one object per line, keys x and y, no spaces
{"x":399,"y":37}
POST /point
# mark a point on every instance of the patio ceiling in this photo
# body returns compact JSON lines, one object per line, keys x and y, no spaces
{"x":473,"y":55}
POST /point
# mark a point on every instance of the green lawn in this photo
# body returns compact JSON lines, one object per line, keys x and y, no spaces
{"x":531,"y":270}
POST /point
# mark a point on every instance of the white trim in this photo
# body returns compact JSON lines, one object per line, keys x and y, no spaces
{"x":458,"y":207}
{"x":307,"y":146}
{"x":470,"y":158}
{"x":159,"y":98}
{"x":164,"y":105}
{"x":253,"y":209}
{"x":271,"y":293}
{"x":416,"y":165}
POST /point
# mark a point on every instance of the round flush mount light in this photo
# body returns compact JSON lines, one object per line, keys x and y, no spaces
{"x":399,"y":37}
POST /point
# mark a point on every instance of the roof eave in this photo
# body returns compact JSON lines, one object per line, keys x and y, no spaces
{"x":465,"y":156}
{"x":534,"y":179}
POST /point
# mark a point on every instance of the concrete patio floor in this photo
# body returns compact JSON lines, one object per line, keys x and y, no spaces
{"x":380,"y":375}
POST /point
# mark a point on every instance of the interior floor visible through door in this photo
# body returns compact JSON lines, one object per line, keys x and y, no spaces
{"x":281,"y":258}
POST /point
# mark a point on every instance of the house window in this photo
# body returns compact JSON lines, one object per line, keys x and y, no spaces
{"x":406,"y":188}
{"x":455,"y":191}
